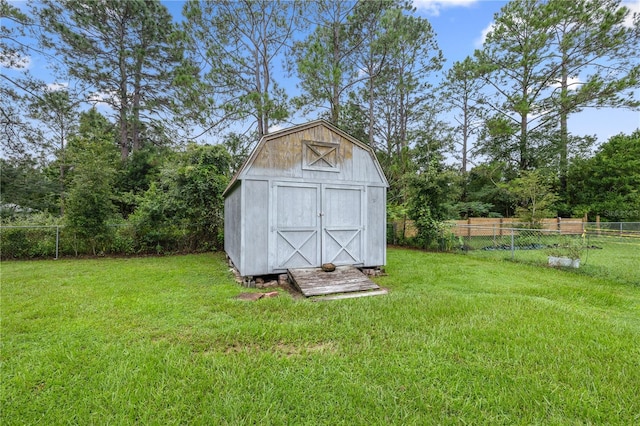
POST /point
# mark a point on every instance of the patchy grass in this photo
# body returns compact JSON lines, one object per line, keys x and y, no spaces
{"x":457,"y":340}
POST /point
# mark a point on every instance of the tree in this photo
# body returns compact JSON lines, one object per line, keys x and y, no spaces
{"x":17,"y":86}
{"x":433,"y":193}
{"x":187,"y":200}
{"x":239,"y":147}
{"x":534,"y":197}
{"x":324,"y":60}
{"x":238,"y":43}
{"x":89,"y":204}
{"x":545,"y":60}
{"x":372,"y":42}
{"x":486,"y":185}
{"x":462,"y":92}
{"x":121,"y":51}
{"x":403,"y":95}
{"x":594,"y":60}
{"x":608,"y":184}
{"x":25,"y":187}
{"x":56,"y":110}
{"x":512,"y":63}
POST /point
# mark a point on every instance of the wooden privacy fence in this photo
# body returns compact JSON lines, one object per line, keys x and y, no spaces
{"x":480,"y":226}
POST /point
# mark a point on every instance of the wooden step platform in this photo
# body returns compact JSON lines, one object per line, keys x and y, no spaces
{"x":345,"y":279}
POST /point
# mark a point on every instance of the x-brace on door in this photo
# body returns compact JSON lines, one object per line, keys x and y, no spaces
{"x":316,"y":224}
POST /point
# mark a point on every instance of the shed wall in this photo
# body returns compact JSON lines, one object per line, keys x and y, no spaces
{"x":376,"y":229}
{"x":256,"y":227}
{"x":232,"y":225}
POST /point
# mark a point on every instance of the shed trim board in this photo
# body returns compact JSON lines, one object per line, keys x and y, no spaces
{"x":320,"y":208}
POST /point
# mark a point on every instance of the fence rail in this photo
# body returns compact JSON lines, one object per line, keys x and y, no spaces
{"x":563,"y":227}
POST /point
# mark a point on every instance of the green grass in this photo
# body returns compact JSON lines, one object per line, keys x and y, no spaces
{"x":614,"y":258}
{"x":457,"y":340}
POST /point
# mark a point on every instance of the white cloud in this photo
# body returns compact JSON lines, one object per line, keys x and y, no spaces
{"x":275,"y":128}
{"x":54,"y":87}
{"x":103,"y":99}
{"x":433,"y":7}
{"x":478,"y":42}
{"x":634,"y":8}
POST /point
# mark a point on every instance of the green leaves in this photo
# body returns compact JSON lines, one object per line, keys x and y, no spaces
{"x":186,"y":196}
{"x":122,"y":50}
{"x":237,"y":45}
{"x":533,"y":195}
{"x":608,"y":183}
{"x":89,"y":206}
{"x":547,"y":60}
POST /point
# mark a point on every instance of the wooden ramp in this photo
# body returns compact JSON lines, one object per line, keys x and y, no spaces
{"x":345,"y":279}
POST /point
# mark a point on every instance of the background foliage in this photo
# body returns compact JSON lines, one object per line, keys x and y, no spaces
{"x":150,"y":124}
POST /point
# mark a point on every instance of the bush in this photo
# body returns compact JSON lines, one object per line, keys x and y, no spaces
{"x":434,"y":234}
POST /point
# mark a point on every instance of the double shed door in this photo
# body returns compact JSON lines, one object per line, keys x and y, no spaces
{"x":316,"y":224}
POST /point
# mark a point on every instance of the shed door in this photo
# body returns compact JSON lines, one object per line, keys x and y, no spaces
{"x":317,"y":224}
{"x":297,"y":225}
{"x":342,"y":225}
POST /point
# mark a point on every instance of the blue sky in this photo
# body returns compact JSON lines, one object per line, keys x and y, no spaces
{"x":459,"y":25}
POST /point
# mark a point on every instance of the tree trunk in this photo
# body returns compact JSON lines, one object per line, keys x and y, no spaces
{"x":63,"y":164}
{"x":465,"y":133}
{"x":122,"y":94}
{"x":135,"y":125}
{"x":259,"y":101}
{"x":564,"y":131}
{"x":371,"y":112}
{"x":335,"y":94}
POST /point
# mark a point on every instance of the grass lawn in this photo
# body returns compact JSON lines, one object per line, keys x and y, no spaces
{"x":617,"y":259}
{"x":457,"y":340}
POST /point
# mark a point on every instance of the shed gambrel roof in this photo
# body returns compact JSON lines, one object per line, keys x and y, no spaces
{"x":277,"y":153}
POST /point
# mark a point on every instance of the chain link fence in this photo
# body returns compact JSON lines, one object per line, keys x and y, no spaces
{"x":609,"y":249}
{"x":513,"y":242}
{"x":604,"y":249}
{"x":54,"y":241}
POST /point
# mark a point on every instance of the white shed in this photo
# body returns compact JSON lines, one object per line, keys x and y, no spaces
{"x":307,"y":195}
